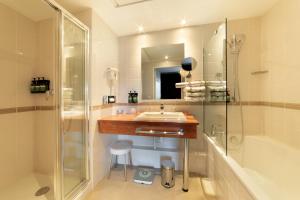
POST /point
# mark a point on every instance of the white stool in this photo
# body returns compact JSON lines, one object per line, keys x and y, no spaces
{"x":120,"y":148}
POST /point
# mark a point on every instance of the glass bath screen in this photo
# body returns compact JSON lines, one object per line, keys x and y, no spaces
{"x":215,"y":76}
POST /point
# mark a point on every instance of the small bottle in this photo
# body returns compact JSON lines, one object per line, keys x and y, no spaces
{"x":135,"y":97}
{"x":38,"y":85}
{"x":130,"y":99}
{"x":43,"y":85}
{"x":33,"y":86}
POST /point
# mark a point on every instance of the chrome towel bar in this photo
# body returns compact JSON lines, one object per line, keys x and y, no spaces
{"x":143,"y":130}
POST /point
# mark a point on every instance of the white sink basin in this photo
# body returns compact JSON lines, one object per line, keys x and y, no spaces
{"x":159,"y":117}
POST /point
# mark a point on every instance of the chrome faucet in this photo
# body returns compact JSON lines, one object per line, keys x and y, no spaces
{"x":162,"y":109}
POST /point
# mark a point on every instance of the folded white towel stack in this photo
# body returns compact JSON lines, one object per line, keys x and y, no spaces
{"x":190,"y":84}
{"x":194,"y":91}
{"x":217,"y":88}
{"x":195,"y":94}
{"x":194,"y":99}
{"x":215,"y":83}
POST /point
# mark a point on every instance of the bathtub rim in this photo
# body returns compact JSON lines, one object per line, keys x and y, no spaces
{"x":256,"y":192}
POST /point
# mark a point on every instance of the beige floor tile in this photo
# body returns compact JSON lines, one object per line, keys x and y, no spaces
{"x":116,"y":188}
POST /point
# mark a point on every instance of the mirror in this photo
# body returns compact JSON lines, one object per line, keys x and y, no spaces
{"x":161,"y":66}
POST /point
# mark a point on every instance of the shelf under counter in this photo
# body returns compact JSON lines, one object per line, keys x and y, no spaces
{"x":126,"y":124}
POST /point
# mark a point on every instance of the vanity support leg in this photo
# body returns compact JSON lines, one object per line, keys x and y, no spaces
{"x":185,"y":187}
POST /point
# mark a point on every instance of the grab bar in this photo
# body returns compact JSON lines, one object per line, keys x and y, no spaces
{"x":141,"y":130}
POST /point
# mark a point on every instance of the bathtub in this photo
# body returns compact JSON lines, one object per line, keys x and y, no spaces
{"x":268,"y":169}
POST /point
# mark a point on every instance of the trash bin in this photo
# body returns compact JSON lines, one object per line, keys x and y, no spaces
{"x":167,"y":173}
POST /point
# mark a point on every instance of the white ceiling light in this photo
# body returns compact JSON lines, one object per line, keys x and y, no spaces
{"x":122,"y":3}
{"x":141,"y":29}
{"x":183,"y":22}
{"x":166,"y":57}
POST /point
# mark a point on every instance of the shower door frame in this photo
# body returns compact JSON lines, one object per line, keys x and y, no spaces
{"x":58,"y":168}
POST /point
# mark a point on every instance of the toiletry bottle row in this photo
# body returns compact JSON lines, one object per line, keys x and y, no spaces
{"x":132,"y":97}
{"x":39,"y":85}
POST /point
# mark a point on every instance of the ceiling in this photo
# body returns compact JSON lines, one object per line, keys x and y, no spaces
{"x":165,"y":14}
{"x":153,"y":15}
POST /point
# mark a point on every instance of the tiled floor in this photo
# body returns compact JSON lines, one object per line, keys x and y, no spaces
{"x":116,"y":188}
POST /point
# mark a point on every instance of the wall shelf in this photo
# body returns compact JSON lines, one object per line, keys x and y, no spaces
{"x":257,"y":72}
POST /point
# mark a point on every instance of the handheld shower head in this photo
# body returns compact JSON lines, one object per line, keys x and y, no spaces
{"x":236,"y":42}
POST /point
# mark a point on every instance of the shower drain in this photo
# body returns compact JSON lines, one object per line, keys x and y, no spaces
{"x":42,"y":191}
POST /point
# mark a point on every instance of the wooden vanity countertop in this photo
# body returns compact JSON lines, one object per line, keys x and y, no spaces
{"x":125,"y":124}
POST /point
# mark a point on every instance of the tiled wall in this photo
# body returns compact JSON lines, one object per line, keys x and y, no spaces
{"x":280,"y":55}
{"x":17,"y":59}
{"x":22,"y":133}
{"x":249,"y":61}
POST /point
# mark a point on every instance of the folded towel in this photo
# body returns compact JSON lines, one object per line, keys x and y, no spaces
{"x":217,"y":88}
{"x":195,"y":94}
{"x":194,"y":99}
{"x":190,"y":84}
{"x":194,"y":89}
{"x":215,"y":83}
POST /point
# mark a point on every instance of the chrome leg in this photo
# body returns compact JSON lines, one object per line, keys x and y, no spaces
{"x":130,"y":159}
{"x":185,"y":187}
{"x":125,"y":168}
{"x":110,"y":165}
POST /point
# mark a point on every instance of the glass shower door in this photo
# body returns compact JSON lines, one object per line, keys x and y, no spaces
{"x":74,"y":106}
{"x":215,"y":76}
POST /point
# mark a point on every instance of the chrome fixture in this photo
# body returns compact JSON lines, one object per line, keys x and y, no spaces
{"x":235,"y":45}
{"x":162,"y":109}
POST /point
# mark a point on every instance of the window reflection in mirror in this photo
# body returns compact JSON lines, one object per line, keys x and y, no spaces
{"x":161,"y":67}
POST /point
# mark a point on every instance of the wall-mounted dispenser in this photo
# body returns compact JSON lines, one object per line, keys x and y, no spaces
{"x":112,"y":78}
{"x":39,"y":85}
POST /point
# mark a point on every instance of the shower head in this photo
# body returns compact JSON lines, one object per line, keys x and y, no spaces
{"x":236,"y":42}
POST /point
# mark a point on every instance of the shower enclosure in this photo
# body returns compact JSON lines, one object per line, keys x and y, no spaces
{"x":44,"y":135}
{"x":217,"y":95}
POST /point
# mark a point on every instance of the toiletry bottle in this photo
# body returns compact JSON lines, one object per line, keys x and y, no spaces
{"x":33,"y":85}
{"x":43,"y":85}
{"x":135,"y":97}
{"x":38,"y":85}
{"x":130,"y":97}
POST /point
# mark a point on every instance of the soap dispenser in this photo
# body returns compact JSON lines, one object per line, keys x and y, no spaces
{"x":130,"y":97}
{"x":135,"y":97}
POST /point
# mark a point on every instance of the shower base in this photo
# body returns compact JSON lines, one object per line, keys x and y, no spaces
{"x":26,"y":187}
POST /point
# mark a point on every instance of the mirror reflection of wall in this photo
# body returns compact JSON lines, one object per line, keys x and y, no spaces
{"x":161,"y":67}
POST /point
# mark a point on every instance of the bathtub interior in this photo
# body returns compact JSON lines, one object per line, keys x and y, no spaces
{"x":271,"y":166}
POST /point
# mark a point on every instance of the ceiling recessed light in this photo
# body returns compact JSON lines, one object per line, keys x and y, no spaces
{"x":166,"y":57}
{"x":183,"y":22}
{"x":141,"y":29}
